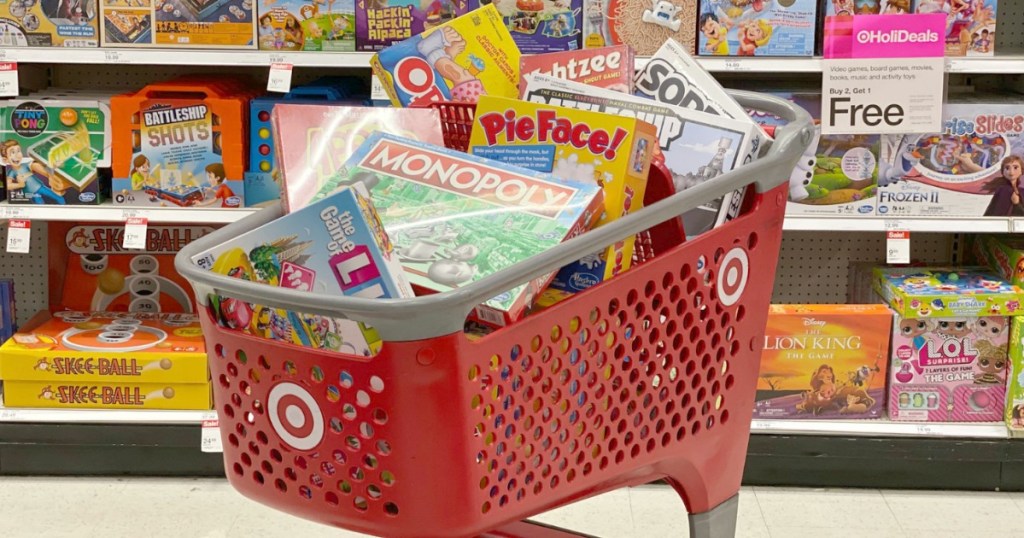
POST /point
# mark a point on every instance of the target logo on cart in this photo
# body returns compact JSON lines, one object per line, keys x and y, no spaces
{"x":296,"y":417}
{"x":732,"y":276}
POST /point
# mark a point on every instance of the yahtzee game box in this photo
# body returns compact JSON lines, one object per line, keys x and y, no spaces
{"x":381,"y":23}
{"x":306,"y":25}
{"x":226,"y":24}
{"x":605,"y":67}
{"x":455,"y":218}
{"x":49,"y":23}
{"x":824,"y":361}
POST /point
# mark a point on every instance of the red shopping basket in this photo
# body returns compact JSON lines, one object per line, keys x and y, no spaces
{"x":647,"y":376}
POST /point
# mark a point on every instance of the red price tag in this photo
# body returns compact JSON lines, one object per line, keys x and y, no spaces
{"x":19,"y":233}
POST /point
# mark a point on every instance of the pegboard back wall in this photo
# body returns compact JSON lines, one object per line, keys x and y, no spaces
{"x":813,"y":266}
{"x":29,"y":272}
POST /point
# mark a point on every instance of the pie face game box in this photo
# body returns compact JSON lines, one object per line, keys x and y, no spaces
{"x":108,"y":360}
{"x":581,"y":146}
{"x":455,"y":218}
{"x":460,"y":60}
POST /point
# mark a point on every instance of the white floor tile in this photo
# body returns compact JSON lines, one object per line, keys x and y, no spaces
{"x":837,"y":532}
{"x":824,"y":509}
{"x":606,"y":515}
{"x":954,"y":511}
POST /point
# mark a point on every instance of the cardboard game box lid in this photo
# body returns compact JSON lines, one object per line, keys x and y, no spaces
{"x":942,"y":292}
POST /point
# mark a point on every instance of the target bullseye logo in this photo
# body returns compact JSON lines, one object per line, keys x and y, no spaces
{"x":732,"y":276}
{"x":296,"y":417}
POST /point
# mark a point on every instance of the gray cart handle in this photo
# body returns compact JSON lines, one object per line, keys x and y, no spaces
{"x":444,"y":313}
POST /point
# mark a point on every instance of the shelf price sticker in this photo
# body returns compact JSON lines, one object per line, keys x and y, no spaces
{"x":884,"y":74}
{"x":897,"y":246}
{"x":8,"y":79}
{"x":210,"y":440}
{"x":19,"y":233}
{"x":135,"y":233}
{"x":280,"y":79}
{"x":377,"y":92}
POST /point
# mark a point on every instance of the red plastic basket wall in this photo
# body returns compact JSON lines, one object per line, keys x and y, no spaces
{"x":650,"y":375}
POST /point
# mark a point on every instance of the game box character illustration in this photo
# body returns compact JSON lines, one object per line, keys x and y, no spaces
{"x":757,"y":27}
{"x":310,"y":25}
{"x":381,"y":23}
{"x":844,"y":8}
{"x":540,"y":26}
{"x":48,"y":23}
{"x":642,"y":24}
{"x":179,"y":23}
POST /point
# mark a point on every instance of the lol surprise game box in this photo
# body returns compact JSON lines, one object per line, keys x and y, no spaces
{"x":845,"y":8}
{"x":49,"y":23}
{"x":456,"y":218}
{"x":1014,"y":415}
{"x":605,"y":67}
{"x":335,"y":246}
{"x":970,"y":25}
{"x":585,"y":147}
{"x":90,"y":271}
{"x":824,"y":361}
{"x":108,"y":360}
{"x":641,"y":24}
{"x":306,"y":25}
{"x":224,"y":24}
{"x":313,"y":141}
{"x":181,"y":143}
{"x":763,"y":28}
{"x":54,"y":151}
{"x":543,"y":25}
{"x":967,"y":170}
{"x":382,"y":23}
{"x":460,"y":60}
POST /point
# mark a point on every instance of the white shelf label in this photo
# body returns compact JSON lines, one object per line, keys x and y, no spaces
{"x":377,"y":92}
{"x":1017,"y":226}
{"x":135,"y":233}
{"x":897,"y":246}
{"x":209,"y":440}
{"x":19,"y":233}
{"x":115,"y":57}
{"x":280,"y":79}
{"x":893,"y":224}
{"x":11,"y":212}
{"x":737,"y":65}
{"x":8,"y":79}
{"x":8,"y":415}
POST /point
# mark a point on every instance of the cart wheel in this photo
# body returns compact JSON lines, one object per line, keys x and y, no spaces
{"x":719,"y":522}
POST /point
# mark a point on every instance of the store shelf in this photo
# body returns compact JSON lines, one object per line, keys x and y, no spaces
{"x":104,"y":416}
{"x":911,"y":224}
{"x":880,"y":428}
{"x":112,"y":213}
{"x":1008,"y":63}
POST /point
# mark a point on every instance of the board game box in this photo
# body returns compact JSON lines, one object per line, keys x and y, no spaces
{"x":314,"y":141}
{"x":307,"y":25}
{"x":53,"y":151}
{"x":1014,"y":415}
{"x":49,"y":23}
{"x":942,"y":292}
{"x":970,"y":25}
{"x":605,"y":67}
{"x":972,"y":168}
{"x":824,"y":361}
{"x":762,"y":28}
{"x":456,"y":218}
{"x":8,"y":312}
{"x":381,"y":23}
{"x":641,"y":24}
{"x":844,"y":8}
{"x":695,"y":146}
{"x":1003,"y":254}
{"x":587,"y":147}
{"x":460,"y":60}
{"x":224,"y":24}
{"x":543,"y":25}
{"x":335,"y":246}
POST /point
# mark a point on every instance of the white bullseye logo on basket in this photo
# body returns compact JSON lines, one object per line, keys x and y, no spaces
{"x":296,"y":417}
{"x":732,"y":276}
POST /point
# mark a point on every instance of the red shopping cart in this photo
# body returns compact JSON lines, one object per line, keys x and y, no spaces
{"x":647,"y":376}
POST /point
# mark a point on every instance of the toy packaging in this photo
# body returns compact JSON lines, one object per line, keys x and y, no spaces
{"x":455,"y":218}
{"x":762,"y":28}
{"x":181,"y":143}
{"x":941,"y":292}
{"x":262,"y":180}
{"x":845,"y":8}
{"x":838,"y":174}
{"x":1003,"y":254}
{"x":641,"y":24}
{"x":970,"y":27}
{"x":53,"y":151}
{"x":90,"y":271}
{"x":460,"y":60}
{"x":8,"y":312}
{"x":108,"y":360}
{"x":225,"y":24}
{"x":948,"y":369}
{"x":971,"y":169}
{"x":583,"y":146}
{"x":382,"y":23}
{"x":694,"y":145}
{"x":336,"y":246}
{"x":313,"y":141}
{"x":605,"y":67}
{"x":306,"y":25}
{"x":28,"y":23}
{"x":1015,"y":379}
{"x":543,"y":25}
{"x":824,"y":361}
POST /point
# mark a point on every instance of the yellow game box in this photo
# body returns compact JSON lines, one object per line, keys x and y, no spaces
{"x":106,"y":395}
{"x":111,"y":348}
{"x":460,"y":60}
{"x":578,"y":145}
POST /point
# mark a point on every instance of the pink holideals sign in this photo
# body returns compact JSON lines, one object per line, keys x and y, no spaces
{"x":885,"y":36}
